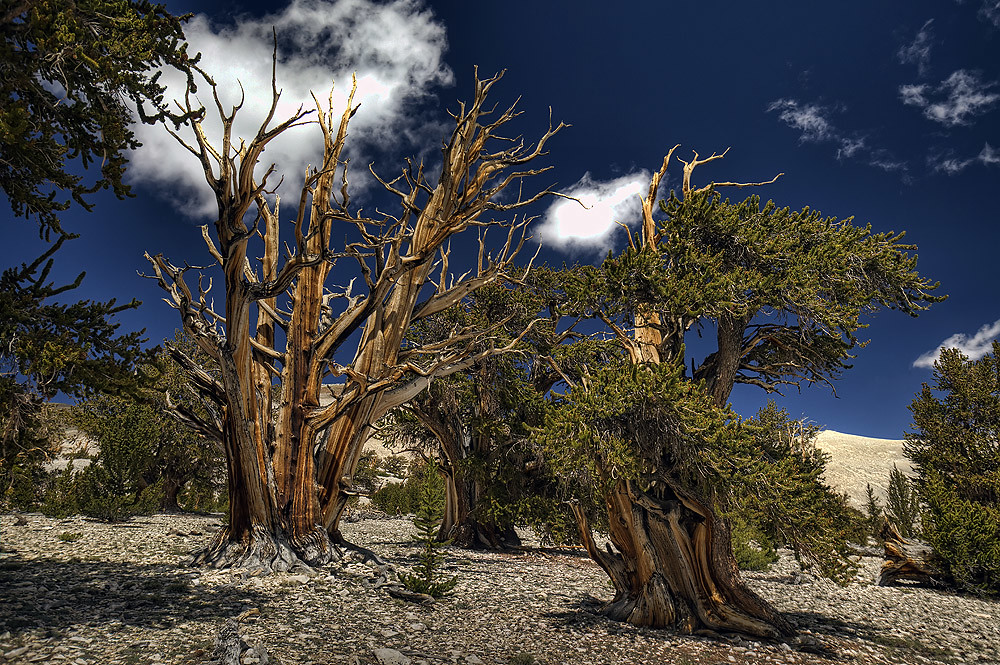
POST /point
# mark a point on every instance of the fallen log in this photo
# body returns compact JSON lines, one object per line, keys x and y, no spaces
{"x":908,"y":560}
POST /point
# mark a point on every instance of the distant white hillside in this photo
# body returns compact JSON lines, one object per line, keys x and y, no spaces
{"x":856,"y":461}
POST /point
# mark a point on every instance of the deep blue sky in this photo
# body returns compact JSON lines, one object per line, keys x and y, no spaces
{"x":886,"y":111}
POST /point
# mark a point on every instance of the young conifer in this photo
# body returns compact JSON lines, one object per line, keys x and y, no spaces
{"x":426,"y":577}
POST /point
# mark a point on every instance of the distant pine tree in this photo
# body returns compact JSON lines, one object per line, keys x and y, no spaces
{"x":902,"y":504}
{"x":873,"y":511}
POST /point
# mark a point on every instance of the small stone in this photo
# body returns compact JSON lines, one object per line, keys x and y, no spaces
{"x":417,"y":627}
{"x":473,"y":660}
{"x":388,"y":632}
{"x":14,"y":653}
{"x":301,"y":579}
{"x":390,"y":657}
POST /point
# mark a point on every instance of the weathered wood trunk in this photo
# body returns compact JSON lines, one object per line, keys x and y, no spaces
{"x":289,"y":480}
{"x":907,"y":560}
{"x":171,"y":488}
{"x":674,"y":567}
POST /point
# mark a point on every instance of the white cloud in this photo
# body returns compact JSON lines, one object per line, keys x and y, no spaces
{"x":567,"y":225}
{"x":990,"y":12}
{"x":974,"y":347}
{"x":955,"y":101}
{"x":850,"y":147}
{"x":396,"y":49}
{"x":886,"y":163}
{"x":952,"y":166}
{"x":918,"y":52}
{"x":989,"y":155}
{"x":814,"y":126}
{"x":809,"y":119}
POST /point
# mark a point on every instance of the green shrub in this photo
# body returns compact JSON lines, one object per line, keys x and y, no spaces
{"x":964,"y":534}
{"x":753,"y":549}
{"x":873,"y":512}
{"x":404,"y":498}
{"x":61,"y":498}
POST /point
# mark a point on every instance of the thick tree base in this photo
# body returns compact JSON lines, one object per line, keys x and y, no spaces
{"x":262,"y":552}
{"x":675,"y":569}
{"x":475,"y":536}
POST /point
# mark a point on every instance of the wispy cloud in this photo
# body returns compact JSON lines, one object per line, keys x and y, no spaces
{"x":955,"y":101}
{"x":814,"y":125}
{"x":990,"y":12}
{"x":952,"y":165}
{"x":810,"y":120}
{"x":396,"y":49}
{"x":918,"y":52}
{"x":975,"y":347}
{"x":569,"y":226}
{"x":989,"y":155}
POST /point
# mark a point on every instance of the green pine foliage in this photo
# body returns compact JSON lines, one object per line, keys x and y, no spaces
{"x":405,"y":498}
{"x":69,"y":72}
{"x":902,"y":506}
{"x":956,"y":456}
{"x":478,"y":421}
{"x":426,"y":577}
{"x":780,"y":491}
{"x":649,"y":424}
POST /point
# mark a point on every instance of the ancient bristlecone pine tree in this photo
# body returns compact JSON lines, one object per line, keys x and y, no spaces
{"x":782,"y":292}
{"x":290,"y":458}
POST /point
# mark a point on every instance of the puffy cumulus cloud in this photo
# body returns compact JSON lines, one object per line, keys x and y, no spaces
{"x":395,"y":48}
{"x":569,"y":226}
{"x":918,"y":52}
{"x":955,"y":101}
{"x":975,"y":347}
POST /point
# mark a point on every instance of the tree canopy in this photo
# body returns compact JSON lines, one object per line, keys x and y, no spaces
{"x":71,"y":73}
{"x":783,"y":294}
{"x":955,"y":448}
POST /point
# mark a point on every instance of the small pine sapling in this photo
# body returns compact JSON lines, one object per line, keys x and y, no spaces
{"x":426,"y":577}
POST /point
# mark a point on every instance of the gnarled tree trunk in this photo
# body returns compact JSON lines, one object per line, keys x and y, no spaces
{"x":290,"y":473}
{"x":675,"y":567}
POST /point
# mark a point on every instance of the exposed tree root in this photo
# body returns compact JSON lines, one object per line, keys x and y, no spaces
{"x":262,"y":552}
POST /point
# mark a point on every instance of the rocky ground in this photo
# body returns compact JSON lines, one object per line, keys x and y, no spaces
{"x":82,"y":592}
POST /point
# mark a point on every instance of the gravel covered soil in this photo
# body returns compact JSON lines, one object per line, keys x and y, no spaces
{"x":82,"y":592}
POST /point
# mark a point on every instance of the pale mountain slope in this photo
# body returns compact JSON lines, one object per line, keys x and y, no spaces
{"x":856,"y":461}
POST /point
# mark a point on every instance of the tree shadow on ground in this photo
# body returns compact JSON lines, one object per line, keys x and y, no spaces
{"x":53,"y":595}
{"x":824,"y":625}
